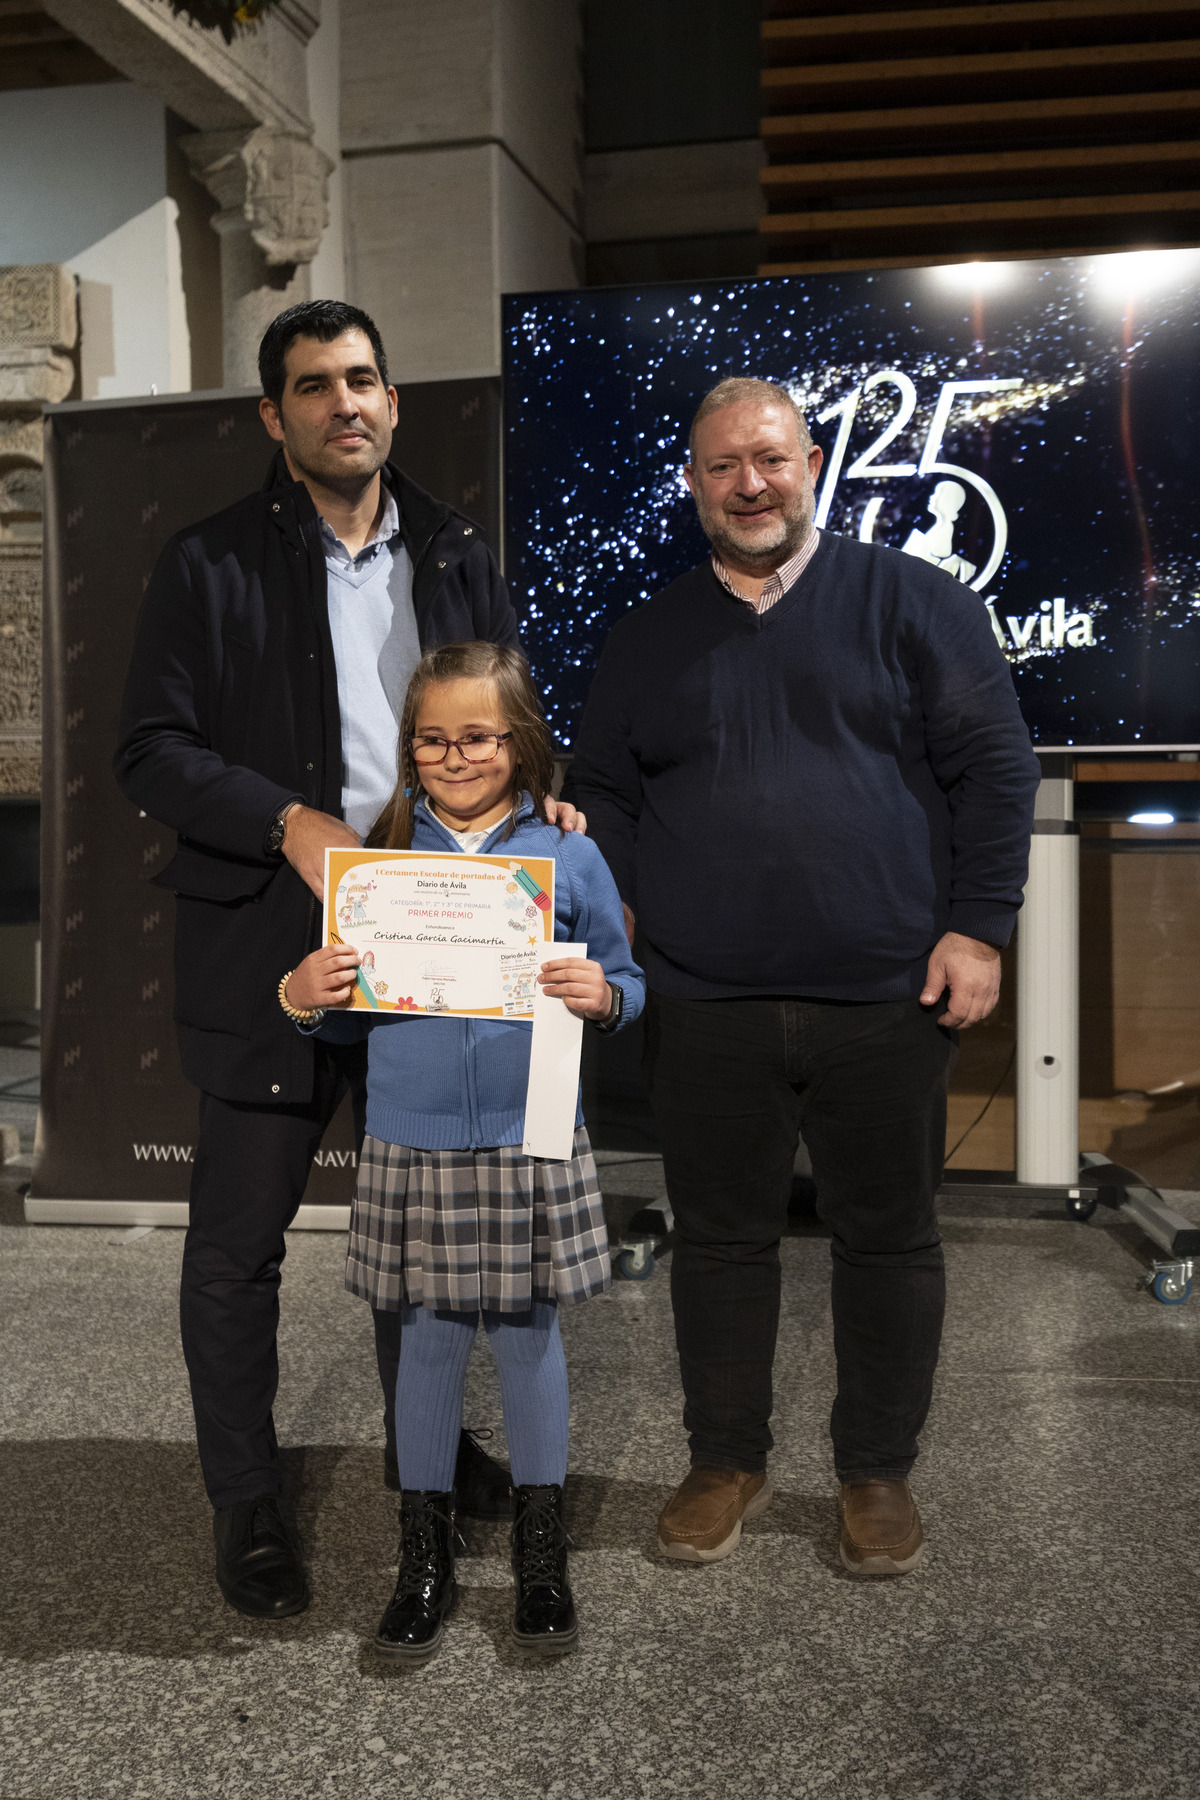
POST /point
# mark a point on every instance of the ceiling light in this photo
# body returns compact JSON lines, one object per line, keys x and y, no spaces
{"x":1130,"y":273}
{"x":973,"y":277}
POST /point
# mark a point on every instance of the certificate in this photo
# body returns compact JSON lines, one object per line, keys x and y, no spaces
{"x":461,"y":935}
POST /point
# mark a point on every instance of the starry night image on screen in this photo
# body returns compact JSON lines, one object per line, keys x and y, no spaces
{"x":1032,"y":428}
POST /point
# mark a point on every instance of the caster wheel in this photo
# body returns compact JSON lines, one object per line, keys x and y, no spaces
{"x":637,"y":1264}
{"x":1080,"y":1209}
{"x":1169,"y":1289}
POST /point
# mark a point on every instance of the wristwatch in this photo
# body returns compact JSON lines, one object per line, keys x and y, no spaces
{"x":273,"y":842}
{"x":614,"y":1017}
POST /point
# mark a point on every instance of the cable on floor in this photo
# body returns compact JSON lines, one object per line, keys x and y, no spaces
{"x":1012,"y":1057}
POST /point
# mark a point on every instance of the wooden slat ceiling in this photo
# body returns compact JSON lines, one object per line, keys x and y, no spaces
{"x":36,"y":51}
{"x":900,"y":135}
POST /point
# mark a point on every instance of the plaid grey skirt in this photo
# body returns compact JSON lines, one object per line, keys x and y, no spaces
{"x":466,"y":1231}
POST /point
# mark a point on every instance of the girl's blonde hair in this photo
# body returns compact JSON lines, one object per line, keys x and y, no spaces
{"x":520,"y":709}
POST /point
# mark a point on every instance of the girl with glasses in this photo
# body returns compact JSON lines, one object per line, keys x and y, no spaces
{"x":452,"y":1223}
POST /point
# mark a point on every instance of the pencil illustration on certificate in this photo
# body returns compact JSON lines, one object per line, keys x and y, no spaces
{"x":454,"y":934}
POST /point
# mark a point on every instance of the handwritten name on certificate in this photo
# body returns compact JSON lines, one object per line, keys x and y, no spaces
{"x":441,"y":934}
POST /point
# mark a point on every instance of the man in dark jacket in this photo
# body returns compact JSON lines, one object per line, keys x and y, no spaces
{"x":272,"y":656}
{"x":805,"y":766}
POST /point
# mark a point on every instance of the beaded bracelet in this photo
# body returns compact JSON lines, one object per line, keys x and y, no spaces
{"x":311,"y":1015}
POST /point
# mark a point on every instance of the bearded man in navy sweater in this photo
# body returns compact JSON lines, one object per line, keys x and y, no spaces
{"x":805,"y":765}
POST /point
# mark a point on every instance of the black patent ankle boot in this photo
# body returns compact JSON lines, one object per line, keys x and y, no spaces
{"x":481,"y":1485}
{"x":545,"y":1619}
{"x":426,"y":1590}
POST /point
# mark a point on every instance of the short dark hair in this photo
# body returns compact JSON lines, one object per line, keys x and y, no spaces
{"x":324,"y":320}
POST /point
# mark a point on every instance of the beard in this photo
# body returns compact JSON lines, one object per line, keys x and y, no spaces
{"x":792,"y":522}
{"x":312,"y":456}
{"x":334,"y":470}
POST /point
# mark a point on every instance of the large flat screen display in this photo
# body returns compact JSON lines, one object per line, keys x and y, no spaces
{"x":1032,"y":428}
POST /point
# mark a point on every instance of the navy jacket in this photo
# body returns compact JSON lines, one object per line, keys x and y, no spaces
{"x":802,"y":801}
{"x":230,"y":710}
{"x":459,"y":1084}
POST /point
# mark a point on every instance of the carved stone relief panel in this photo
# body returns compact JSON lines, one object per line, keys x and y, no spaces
{"x":20,"y":669}
{"x":38,"y":330}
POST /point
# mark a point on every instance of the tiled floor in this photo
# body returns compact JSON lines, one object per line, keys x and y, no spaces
{"x":1047,"y":1649}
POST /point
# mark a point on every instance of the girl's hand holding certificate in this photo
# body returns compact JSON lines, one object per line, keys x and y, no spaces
{"x":580,"y":985}
{"x":324,"y":979}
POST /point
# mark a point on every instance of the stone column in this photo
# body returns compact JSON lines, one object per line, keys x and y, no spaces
{"x":461,"y":168}
{"x":271,"y":186}
{"x":38,"y":328}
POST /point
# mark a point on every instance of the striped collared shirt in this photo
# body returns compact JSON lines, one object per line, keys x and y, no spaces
{"x":777,"y":584}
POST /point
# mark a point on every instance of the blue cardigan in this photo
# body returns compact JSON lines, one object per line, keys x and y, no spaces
{"x":459,"y":1084}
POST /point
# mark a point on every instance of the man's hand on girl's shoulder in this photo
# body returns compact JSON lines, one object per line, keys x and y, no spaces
{"x":566,"y":816}
{"x":306,"y":837}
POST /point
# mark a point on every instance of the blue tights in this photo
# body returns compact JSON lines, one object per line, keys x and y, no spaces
{"x":435,"y":1348}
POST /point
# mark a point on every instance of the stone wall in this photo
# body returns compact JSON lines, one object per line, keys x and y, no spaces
{"x":38,"y":330}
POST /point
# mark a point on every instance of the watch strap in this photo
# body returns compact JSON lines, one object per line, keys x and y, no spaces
{"x":604,"y":1026}
{"x":275,"y":830}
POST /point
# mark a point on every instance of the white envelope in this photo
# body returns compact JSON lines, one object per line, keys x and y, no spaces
{"x":553,"y":1091}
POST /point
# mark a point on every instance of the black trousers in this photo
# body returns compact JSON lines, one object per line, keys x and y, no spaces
{"x":733,"y":1083}
{"x":251,"y":1169}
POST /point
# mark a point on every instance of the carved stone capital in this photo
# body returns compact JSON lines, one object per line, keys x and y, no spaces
{"x":273,"y":184}
{"x":37,"y":307}
{"x":38,"y":327}
{"x":29,"y":377}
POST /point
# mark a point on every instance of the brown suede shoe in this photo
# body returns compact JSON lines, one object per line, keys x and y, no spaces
{"x":881,"y":1528}
{"x":702,"y":1521}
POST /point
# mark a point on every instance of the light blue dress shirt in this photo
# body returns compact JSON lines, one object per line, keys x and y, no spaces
{"x":376,"y":649}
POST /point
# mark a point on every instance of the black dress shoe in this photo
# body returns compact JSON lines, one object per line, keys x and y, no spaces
{"x":544,"y":1620}
{"x":259,"y":1566}
{"x":482,"y":1488}
{"x":426,"y":1591}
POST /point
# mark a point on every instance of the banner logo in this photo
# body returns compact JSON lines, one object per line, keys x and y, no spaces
{"x":1046,"y":630}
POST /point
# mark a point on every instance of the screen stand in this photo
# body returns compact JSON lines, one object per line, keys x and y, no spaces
{"x":1048,"y":989}
{"x":1048,"y":1050}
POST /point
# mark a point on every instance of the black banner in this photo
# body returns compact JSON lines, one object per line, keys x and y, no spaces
{"x":118,"y":1121}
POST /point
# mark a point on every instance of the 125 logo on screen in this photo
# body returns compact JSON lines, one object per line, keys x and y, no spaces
{"x":1052,"y":625}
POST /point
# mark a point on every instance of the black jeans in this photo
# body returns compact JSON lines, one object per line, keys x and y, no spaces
{"x":733,"y":1082}
{"x":251,"y":1169}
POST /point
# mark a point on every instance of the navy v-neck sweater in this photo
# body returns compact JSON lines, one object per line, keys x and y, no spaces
{"x":802,"y":801}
